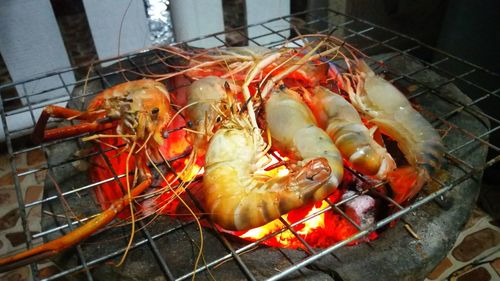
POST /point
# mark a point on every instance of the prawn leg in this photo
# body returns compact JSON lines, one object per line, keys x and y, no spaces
{"x":41,"y":134}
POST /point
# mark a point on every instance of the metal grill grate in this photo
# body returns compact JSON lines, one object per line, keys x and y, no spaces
{"x":478,"y":83}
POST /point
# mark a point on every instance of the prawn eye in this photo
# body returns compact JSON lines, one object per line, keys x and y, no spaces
{"x":282,"y":87}
{"x":154,"y":113}
{"x":226,"y":86}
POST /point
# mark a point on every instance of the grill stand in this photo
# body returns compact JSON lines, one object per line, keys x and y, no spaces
{"x":394,"y":256}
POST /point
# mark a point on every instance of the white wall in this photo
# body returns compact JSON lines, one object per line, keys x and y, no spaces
{"x":117,"y":26}
{"x":31,"y":44}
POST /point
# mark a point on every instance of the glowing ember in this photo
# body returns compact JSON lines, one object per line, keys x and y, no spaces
{"x":190,"y":171}
{"x":316,"y":221}
{"x":321,"y":229}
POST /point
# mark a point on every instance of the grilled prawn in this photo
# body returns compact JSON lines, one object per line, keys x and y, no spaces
{"x":342,"y":123}
{"x":386,"y":107}
{"x":237,"y":195}
{"x":207,"y":100}
{"x":139,"y":111}
{"x":294,"y":132}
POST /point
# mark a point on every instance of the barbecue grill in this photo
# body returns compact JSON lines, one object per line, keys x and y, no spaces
{"x":448,"y":90}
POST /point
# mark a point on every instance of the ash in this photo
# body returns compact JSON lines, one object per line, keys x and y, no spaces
{"x":360,"y":209}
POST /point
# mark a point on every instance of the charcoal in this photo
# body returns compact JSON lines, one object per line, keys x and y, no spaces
{"x":361,"y":209}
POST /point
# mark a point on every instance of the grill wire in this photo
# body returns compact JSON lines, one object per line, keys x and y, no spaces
{"x":479,"y":83}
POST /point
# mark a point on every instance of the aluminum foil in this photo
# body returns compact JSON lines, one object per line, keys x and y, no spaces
{"x":160,"y":21}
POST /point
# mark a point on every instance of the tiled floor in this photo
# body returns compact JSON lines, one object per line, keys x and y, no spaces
{"x":12,"y":236}
{"x":476,"y":255}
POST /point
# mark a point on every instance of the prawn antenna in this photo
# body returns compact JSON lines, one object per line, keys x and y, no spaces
{"x":177,"y":195}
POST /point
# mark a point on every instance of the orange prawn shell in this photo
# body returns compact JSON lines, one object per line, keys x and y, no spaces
{"x":145,"y":95}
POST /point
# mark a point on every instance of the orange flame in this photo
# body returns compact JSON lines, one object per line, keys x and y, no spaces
{"x":320,"y":230}
{"x":316,"y":221}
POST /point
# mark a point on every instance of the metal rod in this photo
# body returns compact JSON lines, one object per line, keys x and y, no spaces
{"x":356,"y":29}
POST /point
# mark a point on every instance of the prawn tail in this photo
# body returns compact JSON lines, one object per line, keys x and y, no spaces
{"x":406,"y":182}
{"x":312,"y":182}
